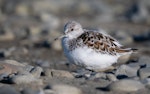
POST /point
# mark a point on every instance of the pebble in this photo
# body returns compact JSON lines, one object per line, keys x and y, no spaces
{"x":111,"y":77}
{"x":7,"y":36}
{"x":100,"y":75}
{"x":31,"y":91}
{"x":22,"y":10}
{"x":144,"y":60}
{"x":126,"y":86}
{"x":146,"y":81}
{"x":57,"y":45}
{"x":144,"y":72}
{"x":124,"y":37}
{"x":144,"y":36}
{"x":58,"y":73}
{"x":66,"y":89}
{"x":124,"y":59}
{"x":36,"y":72}
{"x":8,"y":90}
{"x":4,"y":53}
{"x":125,"y":70}
{"x":42,"y":63}
{"x":25,"y":79}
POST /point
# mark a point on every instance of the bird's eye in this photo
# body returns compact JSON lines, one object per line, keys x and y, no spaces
{"x":71,"y":29}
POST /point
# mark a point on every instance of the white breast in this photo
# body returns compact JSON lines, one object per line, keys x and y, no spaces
{"x":88,"y":57}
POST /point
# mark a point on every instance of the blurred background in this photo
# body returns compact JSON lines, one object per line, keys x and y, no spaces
{"x":28,"y":27}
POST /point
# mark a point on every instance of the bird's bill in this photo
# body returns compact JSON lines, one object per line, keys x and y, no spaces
{"x":60,"y":37}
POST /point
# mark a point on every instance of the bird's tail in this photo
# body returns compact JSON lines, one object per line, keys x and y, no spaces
{"x":125,"y":51}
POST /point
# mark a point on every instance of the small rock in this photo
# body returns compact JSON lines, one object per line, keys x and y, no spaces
{"x":126,"y":86}
{"x":51,"y":21}
{"x":22,"y":10}
{"x":8,"y":90}
{"x":146,"y":81}
{"x":144,"y":72}
{"x":144,"y":60}
{"x":111,"y":77}
{"x":25,"y":79}
{"x":66,"y":89}
{"x":7,"y":36}
{"x":59,"y":73}
{"x":124,"y":37}
{"x":31,"y":91}
{"x":100,"y":75}
{"x":124,"y":59}
{"x":125,"y":70}
{"x":36,"y":72}
{"x":57,"y":45}
{"x":43,"y":63}
{"x":13,"y":62}
{"x":4,"y":53}
{"x":144,"y":36}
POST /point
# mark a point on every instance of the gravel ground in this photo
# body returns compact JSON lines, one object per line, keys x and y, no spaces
{"x":32,"y":63}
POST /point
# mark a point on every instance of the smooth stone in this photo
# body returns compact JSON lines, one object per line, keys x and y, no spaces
{"x":125,"y":70}
{"x":36,"y":72}
{"x":7,"y":36}
{"x":111,"y":77}
{"x":144,"y":72}
{"x":66,"y":89}
{"x":134,"y":65}
{"x":43,"y":63}
{"x":8,"y":90}
{"x":100,"y":75}
{"x":60,"y":73}
{"x":31,"y":91}
{"x":146,"y":81}
{"x":124,"y":59}
{"x":22,"y":10}
{"x":13,"y":62}
{"x":4,"y":53}
{"x":126,"y":86}
{"x":144,"y":60}
{"x":57,"y":45}
{"x":25,"y":79}
{"x":124,"y":37}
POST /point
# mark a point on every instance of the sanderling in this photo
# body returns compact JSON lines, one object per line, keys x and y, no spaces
{"x":93,"y":49}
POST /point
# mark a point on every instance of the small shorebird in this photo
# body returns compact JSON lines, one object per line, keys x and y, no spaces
{"x":95,"y":50}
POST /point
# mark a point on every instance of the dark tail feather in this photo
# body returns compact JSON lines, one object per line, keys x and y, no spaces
{"x":126,"y":51}
{"x":134,"y":49}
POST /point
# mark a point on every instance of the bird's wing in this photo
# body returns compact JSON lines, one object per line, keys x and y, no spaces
{"x":102,"y":43}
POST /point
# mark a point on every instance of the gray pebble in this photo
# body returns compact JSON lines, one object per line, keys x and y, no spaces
{"x":126,"y":70}
{"x":8,"y":90}
{"x":31,"y":91}
{"x":66,"y":89}
{"x":111,"y":77}
{"x":36,"y":72}
{"x":144,"y":60}
{"x":42,"y":63}
{"x":126,"y":85}
{"x":25,"y":79}
{"x":144,"y":73}
{"x":58,"y":73}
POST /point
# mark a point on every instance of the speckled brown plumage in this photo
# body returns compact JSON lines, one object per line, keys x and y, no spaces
{"x":99,"y":42}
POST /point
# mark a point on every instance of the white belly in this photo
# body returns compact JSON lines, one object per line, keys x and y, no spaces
{"x":87,"y":57}
{"x":90,"y":59}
